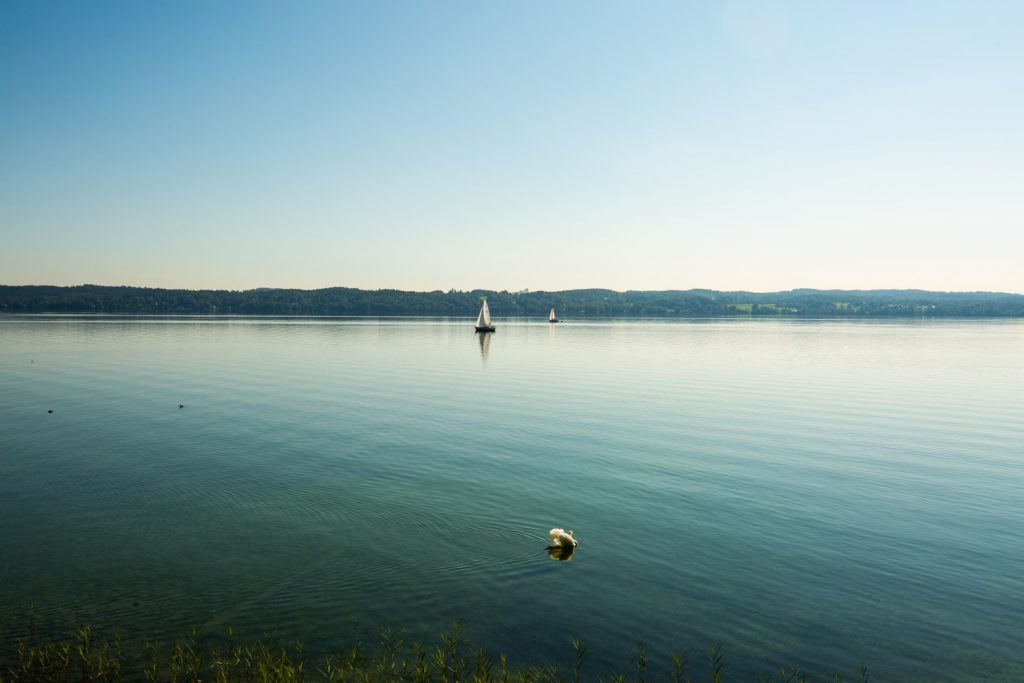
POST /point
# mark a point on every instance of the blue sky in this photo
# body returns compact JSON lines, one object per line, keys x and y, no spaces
{"x":757,"y":145}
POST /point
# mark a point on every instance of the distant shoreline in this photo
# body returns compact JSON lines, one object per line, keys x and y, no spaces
{"x":579,"y":303}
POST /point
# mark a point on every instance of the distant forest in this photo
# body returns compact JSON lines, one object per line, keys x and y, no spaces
{"x":577,"y":303}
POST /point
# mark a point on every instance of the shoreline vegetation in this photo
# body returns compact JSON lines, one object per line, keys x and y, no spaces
{"x":387,"y":657}
{"x":577,"y":303}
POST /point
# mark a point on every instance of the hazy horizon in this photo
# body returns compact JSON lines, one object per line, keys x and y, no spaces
{"x":758,"y":146}
{"x":521,"y":289}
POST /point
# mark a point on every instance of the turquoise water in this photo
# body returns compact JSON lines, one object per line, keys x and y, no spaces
{"x":817,"y":492}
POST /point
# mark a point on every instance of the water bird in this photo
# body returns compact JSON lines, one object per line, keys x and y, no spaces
{"x":50,"y":410}
{"x":180,"y":406}
{"x":560,"y":538}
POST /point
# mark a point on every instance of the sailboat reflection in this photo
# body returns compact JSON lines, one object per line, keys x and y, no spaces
{"x":485,"y":343}
{"x":562,"y":553}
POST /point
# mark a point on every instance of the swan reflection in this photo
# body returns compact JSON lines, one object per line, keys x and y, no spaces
{"x":562,"y":553}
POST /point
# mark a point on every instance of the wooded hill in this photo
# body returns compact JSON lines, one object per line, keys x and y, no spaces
{"x":577,"y":303}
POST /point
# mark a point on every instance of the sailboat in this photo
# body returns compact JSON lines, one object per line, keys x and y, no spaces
{"x":551,"y":317}
{"x":483,"y":321}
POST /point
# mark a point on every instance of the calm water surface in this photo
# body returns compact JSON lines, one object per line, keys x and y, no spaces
{"x":817,"y":492}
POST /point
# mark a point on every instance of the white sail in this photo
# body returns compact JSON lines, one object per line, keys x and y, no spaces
{"x":484,"y":319}
{"x":551,"y":316}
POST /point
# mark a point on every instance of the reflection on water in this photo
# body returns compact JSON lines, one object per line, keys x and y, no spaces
{"x":485,"y":343}
{"x":826,"y":492}
{"x":562,"y":553}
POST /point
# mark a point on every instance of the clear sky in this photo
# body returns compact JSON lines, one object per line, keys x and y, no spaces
{"x":757,"y":145}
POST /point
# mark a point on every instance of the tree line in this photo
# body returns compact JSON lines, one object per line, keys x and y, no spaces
{"x":577,"y":303}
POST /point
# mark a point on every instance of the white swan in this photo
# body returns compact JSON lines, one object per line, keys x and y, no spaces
{"x":560,"y":538}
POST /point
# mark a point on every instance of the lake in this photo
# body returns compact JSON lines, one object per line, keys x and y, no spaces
{"x":816,"y":492}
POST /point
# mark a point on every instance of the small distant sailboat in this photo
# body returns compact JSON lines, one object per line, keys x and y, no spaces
{"x":483,"y":321}
{"x":551,"y":317}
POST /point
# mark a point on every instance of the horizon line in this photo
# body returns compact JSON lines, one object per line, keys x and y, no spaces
{"x":529,"y":291}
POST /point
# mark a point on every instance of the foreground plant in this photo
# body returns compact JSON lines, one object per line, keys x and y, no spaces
{"x":391,"y":659}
